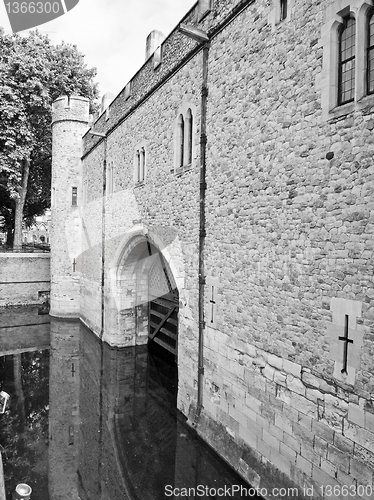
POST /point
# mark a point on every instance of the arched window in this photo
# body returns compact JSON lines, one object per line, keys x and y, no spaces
{"x":370,"y":54}
{"x":189,"y":127}
{"x":180,"y":137}
{"x":184,"y":130}
{"x":142,"y":165}
{"x":110,"y":179}
{"x":139,"y":165}
{"x":347,"y":49}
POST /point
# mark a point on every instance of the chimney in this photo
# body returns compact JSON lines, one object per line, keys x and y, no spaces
{"x":106,"y":100}
{"x":154,"y":40}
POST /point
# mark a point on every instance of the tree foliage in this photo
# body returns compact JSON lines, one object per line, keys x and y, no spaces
{"x":33,"y":73}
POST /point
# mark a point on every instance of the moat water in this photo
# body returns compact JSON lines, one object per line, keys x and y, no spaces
{"x":86,"y":421}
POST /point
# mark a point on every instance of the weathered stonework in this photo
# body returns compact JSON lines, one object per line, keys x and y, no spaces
{"x":289,"y":240}
{"x":24,"y":278}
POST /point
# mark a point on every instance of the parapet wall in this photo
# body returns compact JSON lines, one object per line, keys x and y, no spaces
{"x":174,"y":51}
{"x":24,"y":278}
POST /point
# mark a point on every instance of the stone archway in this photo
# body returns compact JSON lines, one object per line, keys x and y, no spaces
{"x":147,"y":295}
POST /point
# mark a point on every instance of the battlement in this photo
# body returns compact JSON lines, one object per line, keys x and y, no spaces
{"x":70,"y":108}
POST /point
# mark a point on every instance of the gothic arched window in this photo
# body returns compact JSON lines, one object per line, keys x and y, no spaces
{"x":188,"y":141}
{"x":347,"y":49}
{"x":370,"y":54}
{"x":180,"y":145}
{"x":140,"y":165}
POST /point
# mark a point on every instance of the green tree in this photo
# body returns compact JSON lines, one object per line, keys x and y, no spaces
{"x":33,"y":73}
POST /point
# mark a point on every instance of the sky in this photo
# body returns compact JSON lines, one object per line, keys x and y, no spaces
{"x":111,"y":33}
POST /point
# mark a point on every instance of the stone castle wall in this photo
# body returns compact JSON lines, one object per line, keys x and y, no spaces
{"x":69,"y":122}
{"x":289,"y":242}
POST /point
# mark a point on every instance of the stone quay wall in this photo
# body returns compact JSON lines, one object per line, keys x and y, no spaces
{"x":24,"y":278}
{"x":288,"y":338}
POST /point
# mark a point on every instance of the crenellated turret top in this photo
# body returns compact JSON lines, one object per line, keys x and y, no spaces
{"x":70,"y":108}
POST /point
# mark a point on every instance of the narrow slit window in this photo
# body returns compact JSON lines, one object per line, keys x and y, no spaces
{"x":138,"y":160}
{"x":189,"y":123}
{"x":142,"y":165}
{"x":110,"y":180}
{"x":74,"y":196}
{"x":283,"y":9}
{"x":180,"y":141}
{"x":370,"y":54}
{"x":212,"y":301}
{"x":347,"y":47}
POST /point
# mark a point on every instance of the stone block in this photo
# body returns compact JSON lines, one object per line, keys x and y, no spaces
{"x":283,"y":423}
{"x":292,"y":368}
{"x":304,"y":465}
{"x":328,"y":467}
{"x":314,"y":395}
{"x":280,"y":378}
{"x":320,"y":446}
{"x":360,"y":436}
{"x":303,"y":435}
{"x":303,"y":405}
{"x":305,"y":421}
{"x":248,"y":436}
{"x":292,"y":442}
{"x":287,"y":452}
{"x":338,"y":458}
{"x":275,"y":362}
{"x":271,"y":440}
{"x":238,"y":416}
{"x":264,"y":449}
{"x":268,"y":372}
{"x":294,"y":384}
{"x":280,"y":461}
{"x":310,"y":380}
{"x":322,"y":478}
{"x":361,"y":472}
{"x":268,"y":413}
{"x":369,"y":421}
{"x":356,"y":414}
{"x":343,"y":444}
{"x":253,"y":403}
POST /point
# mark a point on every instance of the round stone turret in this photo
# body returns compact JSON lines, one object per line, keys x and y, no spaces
{"x":70,"y":117}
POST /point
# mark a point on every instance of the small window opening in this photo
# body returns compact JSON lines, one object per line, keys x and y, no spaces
{"x":74,"y":196}
{"x":189,"y":136}
{"x":283,"y":9}
{"x":142,"y":165}
{"x":181,"y":141}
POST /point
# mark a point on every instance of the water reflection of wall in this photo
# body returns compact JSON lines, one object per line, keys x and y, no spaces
{"x":117,"y":395}
{"x":114,"y":431}
{"x":23,"y":329}
{"x":64,"y":410}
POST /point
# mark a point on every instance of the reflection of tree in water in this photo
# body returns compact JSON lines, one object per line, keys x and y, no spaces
{"x":24,"y":426}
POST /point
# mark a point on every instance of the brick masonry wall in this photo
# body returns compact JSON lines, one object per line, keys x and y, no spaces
{"x":23,"y":277}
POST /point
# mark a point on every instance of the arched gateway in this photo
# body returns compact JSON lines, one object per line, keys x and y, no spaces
{"x":148,"y":297}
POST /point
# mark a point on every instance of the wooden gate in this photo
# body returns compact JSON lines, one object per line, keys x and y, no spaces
{"x":163,"y":307}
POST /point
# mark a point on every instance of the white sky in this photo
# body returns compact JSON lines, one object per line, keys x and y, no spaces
{"x":112,"y":33}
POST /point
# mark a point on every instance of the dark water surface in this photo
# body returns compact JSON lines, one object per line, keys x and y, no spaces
{"x":86,"y":421}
